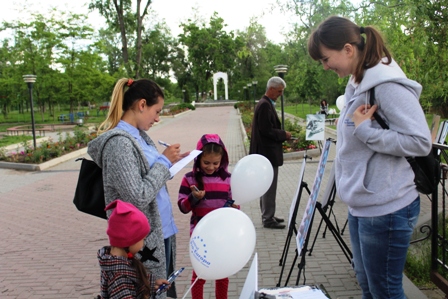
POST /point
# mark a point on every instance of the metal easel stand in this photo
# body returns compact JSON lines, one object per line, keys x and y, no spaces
{"x":292,"y":230}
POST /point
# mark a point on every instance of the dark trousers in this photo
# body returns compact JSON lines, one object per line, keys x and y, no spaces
{"x":267,"y":201}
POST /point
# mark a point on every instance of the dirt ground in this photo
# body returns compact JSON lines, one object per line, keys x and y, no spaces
{"x":434,"y":294}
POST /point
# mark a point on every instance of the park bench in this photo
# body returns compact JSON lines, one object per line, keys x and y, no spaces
{"x":330,"y":121}
{"x":16,"y":131}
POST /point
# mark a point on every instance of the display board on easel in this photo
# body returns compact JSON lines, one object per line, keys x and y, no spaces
{"x":311,"y":205}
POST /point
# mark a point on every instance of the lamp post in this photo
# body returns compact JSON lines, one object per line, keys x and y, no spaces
{"x":281,"y":70}
{"x":245,"y":93}
{"x":183,"y":93}
{"x":30,"y":79}
{"x":254,"y":84}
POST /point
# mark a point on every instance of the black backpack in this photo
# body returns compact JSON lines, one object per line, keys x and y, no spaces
{"x":426,"y":168}
{"x":89,"y":193}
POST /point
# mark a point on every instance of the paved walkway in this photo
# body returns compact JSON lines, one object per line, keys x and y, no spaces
{"x":48,"y":248}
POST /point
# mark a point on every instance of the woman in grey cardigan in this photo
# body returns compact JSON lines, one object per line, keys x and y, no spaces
{"x":133,"y":169}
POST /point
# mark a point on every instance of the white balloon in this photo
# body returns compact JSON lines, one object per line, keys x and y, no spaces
{"x":251,"y":178}
{"x":222,"y":243}
{"x":340,"y":102}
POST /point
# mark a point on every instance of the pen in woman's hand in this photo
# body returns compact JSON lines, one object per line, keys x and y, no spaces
{"x":164,"y":143}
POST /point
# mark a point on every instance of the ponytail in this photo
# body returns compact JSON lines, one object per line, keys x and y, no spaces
{"x":372,"y":53}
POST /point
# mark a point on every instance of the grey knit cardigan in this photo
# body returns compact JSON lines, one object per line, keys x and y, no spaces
{"x":128,"y":176}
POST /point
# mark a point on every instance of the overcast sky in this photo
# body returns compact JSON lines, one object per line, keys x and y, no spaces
{"x":236,"y":13}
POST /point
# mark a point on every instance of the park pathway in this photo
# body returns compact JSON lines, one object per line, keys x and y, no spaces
{"x":48,"y":249}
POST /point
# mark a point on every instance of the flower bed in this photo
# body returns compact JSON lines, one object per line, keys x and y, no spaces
{"x":49,"y":149}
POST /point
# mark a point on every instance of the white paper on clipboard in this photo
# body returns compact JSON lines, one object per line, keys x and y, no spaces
{"x":182,"y":163}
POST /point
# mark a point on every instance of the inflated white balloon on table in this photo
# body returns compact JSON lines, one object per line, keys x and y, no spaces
{"x":251,"y":178}
{"x":222,"y":243}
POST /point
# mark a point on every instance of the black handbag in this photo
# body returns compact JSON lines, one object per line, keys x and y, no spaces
{"x":426,"y":168}
{"x":89,"y":194}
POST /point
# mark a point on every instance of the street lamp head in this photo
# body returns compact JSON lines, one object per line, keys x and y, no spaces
{"x":249,"y":84}
{"x":244,"y":87}
{"x":281,"y":68}
{"x":29,"y":78}
{"x":254,"y":82}
{"x":183,"y":90}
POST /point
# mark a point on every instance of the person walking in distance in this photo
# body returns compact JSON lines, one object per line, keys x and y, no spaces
{"x":266,"y":140}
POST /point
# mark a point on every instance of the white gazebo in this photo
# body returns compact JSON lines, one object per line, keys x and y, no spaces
{"x":216,"y":77}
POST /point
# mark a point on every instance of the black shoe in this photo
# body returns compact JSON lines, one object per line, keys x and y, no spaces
{"x":279,"y":220}
{"x":273,"y":224}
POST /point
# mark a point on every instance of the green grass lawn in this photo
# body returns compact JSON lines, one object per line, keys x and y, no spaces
{"x":14,"y":118}
{"x":8,"y":140}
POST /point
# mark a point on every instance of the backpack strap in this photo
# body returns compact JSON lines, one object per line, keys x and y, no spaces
{"x":377,"y":117}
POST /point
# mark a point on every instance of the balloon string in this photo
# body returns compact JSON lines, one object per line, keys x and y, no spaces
{"x":189,"y":289}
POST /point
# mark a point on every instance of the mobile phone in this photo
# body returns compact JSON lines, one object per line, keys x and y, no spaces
{"x":197,"y":190}
{"x":170,"y":278}
{"x":229,"y":203}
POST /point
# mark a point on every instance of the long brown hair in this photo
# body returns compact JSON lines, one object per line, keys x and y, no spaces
{"x":142,"y":276}
{"x":335,"y":32}
{"x":126,"y":93}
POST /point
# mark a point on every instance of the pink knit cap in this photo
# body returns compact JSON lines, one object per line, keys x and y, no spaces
{"x":126,"y":225}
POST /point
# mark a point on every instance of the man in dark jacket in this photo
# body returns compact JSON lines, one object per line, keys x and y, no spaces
{"x":266,"y":140}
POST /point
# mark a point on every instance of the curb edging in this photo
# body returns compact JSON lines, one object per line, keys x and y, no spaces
{"x":45,"y":165}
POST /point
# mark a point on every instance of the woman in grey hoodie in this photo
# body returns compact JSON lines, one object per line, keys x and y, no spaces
{"x":372,"y":175}
{"x":133,"y":169}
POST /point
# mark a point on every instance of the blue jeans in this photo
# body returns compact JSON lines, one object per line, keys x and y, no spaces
{"x":379,"y":246}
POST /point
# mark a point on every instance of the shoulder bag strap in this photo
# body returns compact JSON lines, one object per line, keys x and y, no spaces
{"x":378,"y":118}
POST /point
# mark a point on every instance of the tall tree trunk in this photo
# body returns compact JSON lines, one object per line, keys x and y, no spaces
{"x":124,"y":41}
{"x":140,"y":16}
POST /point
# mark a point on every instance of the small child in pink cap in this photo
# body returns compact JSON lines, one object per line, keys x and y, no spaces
{"x":122,"y":275}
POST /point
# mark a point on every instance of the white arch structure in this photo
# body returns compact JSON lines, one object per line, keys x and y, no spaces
{"x":216,"y":77}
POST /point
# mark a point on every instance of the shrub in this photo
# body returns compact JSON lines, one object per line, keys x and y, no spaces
{"x":178,"y":109}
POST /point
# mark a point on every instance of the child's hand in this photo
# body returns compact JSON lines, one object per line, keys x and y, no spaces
{"x":235,"y":206}
{"x":197,"y":193}
{"x":159,"y":282}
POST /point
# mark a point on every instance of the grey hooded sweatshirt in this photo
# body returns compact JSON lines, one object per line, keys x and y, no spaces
{"x":372,"y":175}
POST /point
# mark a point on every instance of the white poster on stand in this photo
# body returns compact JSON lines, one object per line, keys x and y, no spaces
{"x":251,"y":283}
{"x":315,"y":127}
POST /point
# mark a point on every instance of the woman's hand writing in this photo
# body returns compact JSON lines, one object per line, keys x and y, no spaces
{"x":172,"y":152}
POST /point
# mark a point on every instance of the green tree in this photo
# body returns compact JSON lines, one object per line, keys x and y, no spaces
{"x":119,"y":15}
{"x":210,"y":49}
{"x":158,"y":51}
